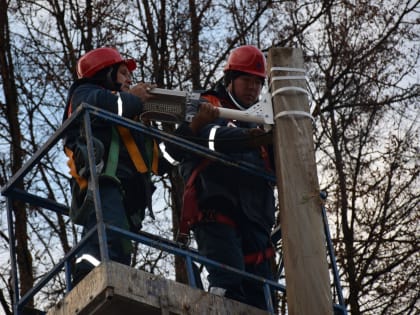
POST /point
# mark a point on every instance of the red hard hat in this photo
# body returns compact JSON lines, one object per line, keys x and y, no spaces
{"x":248,"y":59}
{"x":100,"y":58}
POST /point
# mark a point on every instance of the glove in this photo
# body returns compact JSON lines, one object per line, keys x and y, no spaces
{"x":258,"y":137}
{"x":207,"y":113}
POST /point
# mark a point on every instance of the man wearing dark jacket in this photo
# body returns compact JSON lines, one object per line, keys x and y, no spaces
{"x":125,"y":187}
{"x":236,"y":207}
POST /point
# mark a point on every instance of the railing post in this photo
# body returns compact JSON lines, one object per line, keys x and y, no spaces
{"x":95,"y":187}
{"x":12,"y":246}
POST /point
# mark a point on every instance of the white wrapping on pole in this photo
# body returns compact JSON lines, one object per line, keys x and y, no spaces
{"x":288,"y":77}
{"x":294,"y":113}
{"x":287,"y":69}
{"x":290,"y":88}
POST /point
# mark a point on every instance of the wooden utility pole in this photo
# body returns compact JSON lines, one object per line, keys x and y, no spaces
{"x":303,"y":237}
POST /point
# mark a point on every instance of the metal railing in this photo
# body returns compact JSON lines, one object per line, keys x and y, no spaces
{"x":83,"y":113}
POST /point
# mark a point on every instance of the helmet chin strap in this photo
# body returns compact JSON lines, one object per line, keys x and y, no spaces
{"x":235,"y":102}
{"x":232,"y":97}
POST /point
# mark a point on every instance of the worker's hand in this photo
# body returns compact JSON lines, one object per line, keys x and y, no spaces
{"x":206,"y":114}
{"x":142,"y":90}
{"x":258,"y":137}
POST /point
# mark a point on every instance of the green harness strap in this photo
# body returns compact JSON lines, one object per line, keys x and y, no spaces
{"x":114,"y":150}
{"x":112,"y":163}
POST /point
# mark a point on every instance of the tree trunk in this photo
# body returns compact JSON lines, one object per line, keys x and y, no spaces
{"x":24,"y":257}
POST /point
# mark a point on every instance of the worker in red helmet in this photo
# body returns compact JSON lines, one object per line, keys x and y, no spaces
{"x":125,"y":159}
{"x":230,"y":211}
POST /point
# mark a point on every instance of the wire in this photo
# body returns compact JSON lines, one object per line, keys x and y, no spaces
{"x":228,"y":139}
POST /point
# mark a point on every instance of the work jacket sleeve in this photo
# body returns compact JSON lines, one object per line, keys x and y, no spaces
{"x":175,"y":151}
{"x":217,"y":136}
{"x":121,"y":103}
{"x":221,"y":137}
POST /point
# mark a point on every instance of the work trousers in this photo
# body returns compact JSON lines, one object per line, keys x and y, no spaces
{"x":229,"y":245}
{"x":113,"y":211}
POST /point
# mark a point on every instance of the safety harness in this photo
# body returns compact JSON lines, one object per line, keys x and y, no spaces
{"x":135,"y":154}
{"x":79,"y":208}
{"x":190,"y":213}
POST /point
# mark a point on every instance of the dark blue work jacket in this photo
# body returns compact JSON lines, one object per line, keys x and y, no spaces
{"x":83,"y":91}
{"x":224,"y":187}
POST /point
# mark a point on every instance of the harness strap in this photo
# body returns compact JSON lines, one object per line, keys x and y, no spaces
{"x":138,"y":160}
{"x":258,"y":257}
{"x":81,"y":181}
{"x":190,"y":212}
{"x":155,"y":157}
{"x":214,"y":216}
{"x":134,"y":152}
{"x":266,"y":158}
{"x":114,"y":149}
{"x":191,"y":215}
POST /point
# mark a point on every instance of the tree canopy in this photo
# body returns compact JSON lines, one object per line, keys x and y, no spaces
{"x":362,"y":63}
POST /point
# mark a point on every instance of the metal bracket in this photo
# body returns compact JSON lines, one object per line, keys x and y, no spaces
{"x":261,"y":112}
{"x":170,"y":106}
